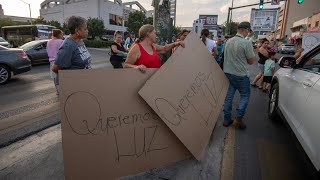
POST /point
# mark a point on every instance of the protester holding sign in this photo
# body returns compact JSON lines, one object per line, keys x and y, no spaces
{"x":73,"y":53}
{"x":181,"y":37}
{"x":145,"y":53}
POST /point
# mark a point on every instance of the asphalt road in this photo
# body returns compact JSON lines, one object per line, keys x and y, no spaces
{"x":265,"y":150}
{"x":28,"y":103}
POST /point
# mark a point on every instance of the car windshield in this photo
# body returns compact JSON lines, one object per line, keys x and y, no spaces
{"x":2,"y":40}
{"x":29,"y":45}
{"x":290,"y":45}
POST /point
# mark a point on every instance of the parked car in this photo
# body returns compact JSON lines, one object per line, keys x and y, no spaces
{"x":12,"y":61}
{"x":4,"y":43}
{"x":295,"y":96}
{"x":287,"y":48}
{"x":37,"y":51}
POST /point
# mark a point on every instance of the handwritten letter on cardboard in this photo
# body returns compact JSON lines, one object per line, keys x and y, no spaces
{"x":188,"y":92}
{"x":108,"y":130}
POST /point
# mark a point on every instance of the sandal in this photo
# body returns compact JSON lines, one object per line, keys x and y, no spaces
{"x":254,"y":85}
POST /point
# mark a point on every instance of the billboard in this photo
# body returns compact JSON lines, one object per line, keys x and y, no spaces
{"x":209,"y":20}
{"x":265,"y":22}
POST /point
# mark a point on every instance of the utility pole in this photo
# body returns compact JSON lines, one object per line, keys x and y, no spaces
{"x":29,"y":10}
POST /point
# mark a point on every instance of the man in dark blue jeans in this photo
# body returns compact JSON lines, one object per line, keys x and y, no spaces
{"x":238,"y":53}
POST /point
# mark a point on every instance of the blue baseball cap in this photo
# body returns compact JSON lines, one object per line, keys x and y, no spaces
{"x":132,"y":32}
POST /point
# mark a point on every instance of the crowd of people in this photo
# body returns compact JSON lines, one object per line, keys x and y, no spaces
{"x":233,"y":54}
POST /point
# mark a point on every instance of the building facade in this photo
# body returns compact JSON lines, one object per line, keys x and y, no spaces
{"x":173,"y":11}
{"x":292,"y":12}
{"x":113,"y":13}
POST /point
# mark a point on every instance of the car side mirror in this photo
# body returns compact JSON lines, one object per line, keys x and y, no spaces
{"x":287,"y":62}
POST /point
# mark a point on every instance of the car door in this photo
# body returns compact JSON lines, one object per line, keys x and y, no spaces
{"x":297,"y":85}
{"x":39,"y":53}
{"x":43,"y":52}
{"x":309,"y":129}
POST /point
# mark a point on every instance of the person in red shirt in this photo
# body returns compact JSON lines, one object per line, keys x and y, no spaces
{"x":144,"y":54}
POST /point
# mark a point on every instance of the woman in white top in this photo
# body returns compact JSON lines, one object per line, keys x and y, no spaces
{"x":210,"y":44}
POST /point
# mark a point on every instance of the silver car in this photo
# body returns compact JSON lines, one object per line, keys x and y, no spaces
{"x":287,"y":48}
{"x":4,"y":43}
{"x":295,"y":97}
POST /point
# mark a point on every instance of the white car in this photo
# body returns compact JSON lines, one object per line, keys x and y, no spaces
{"x":295,"y":97}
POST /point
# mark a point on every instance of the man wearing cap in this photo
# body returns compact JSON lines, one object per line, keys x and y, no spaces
{"x":130,"y":40}
{"x":238,"y":53}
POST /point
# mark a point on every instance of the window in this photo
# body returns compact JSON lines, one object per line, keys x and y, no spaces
{"x":115,"y":20}
{"x":317,"y":24}
{"x":313,"y":62}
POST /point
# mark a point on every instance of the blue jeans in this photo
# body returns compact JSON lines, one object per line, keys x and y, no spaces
{"x":242,"y":84}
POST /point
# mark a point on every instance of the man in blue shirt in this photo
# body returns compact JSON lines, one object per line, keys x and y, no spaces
{"x":220,"y":47}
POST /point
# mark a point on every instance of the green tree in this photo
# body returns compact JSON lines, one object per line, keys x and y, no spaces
{"x":55,"y":24}
{"x":136,"y":19}
{"x":95,"y":27}
{"x":231,"y":28}
{"x":6,"y":22}
{"x":40,"y":20}
{"x":149,"y":20}
{"x":176,"y":30}
{"x":65,"y":28}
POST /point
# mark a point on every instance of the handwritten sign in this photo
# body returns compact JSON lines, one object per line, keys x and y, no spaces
{"x":188,"y":92}
{"x":108,"y":130}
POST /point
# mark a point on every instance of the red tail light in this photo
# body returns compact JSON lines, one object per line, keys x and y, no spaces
{"x":22,"y":54}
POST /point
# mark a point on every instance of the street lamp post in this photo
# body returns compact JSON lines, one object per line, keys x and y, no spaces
{"x":29,"y":10}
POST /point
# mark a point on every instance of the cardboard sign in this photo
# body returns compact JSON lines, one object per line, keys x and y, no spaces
{"x":108,"y":130}
{"x":187,"y":92}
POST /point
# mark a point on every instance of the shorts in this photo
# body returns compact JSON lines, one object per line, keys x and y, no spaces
{"x":52,"y":74}
{"x":267,"y":79}
{"x":261,"y":67}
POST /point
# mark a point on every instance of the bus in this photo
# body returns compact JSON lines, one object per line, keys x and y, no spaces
{"x":19,"y":35}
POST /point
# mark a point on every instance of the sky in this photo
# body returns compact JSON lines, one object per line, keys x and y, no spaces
{"x":187,"y":10}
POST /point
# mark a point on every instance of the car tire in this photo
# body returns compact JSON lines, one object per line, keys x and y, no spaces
{"x":5,"y":74}
{"x":273,"y":103}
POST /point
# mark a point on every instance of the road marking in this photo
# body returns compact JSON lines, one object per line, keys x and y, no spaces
{"x":228,"y":155}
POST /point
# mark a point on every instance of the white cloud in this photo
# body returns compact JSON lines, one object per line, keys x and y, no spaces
{"x":224,"y":9}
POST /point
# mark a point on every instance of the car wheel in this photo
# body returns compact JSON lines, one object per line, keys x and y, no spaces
{"x":273,"y":103}
{"x":5,"y":74}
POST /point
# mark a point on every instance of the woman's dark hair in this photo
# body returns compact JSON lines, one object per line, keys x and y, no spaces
{"x":56,"y":32}
{"x":75,"y":22}
{"x":117,"y":33}
{"x":204,"y":35}
{"x":182,"y":32}
{"x":264,"y":40}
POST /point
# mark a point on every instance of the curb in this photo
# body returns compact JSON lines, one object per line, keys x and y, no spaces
{"x":99,"y":49}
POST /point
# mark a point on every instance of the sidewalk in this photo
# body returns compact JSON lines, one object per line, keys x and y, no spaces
{"x":99,"y":49}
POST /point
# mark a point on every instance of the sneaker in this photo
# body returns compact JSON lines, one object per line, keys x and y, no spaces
{"x":227,"y":123}
{"x":240,"y":124}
